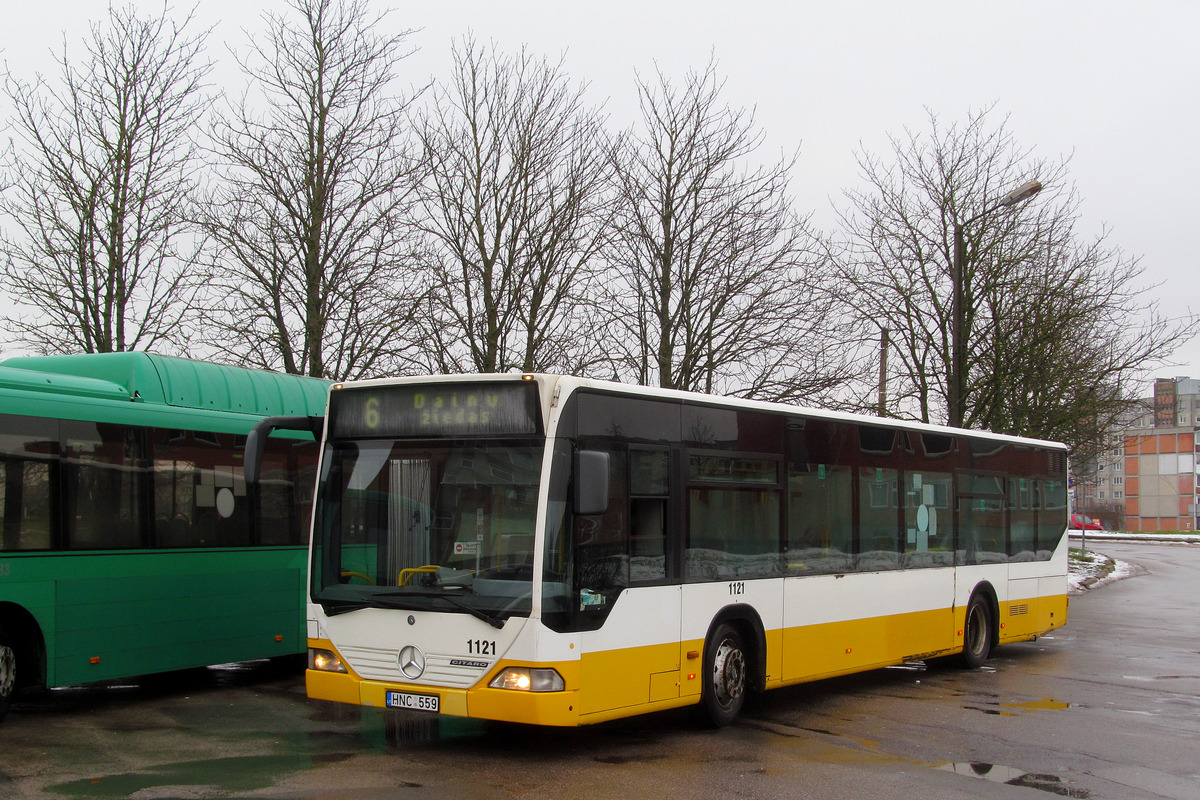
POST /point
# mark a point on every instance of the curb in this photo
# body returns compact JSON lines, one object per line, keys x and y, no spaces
{"x":1134,"y":538}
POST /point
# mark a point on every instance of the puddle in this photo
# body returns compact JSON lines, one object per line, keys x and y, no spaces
{"x":221,"y":775}
{"x":996,"y":709}
{"x":993,"y":711}
{"x":1045,"y":704}
{"x":621,"y":760}
{"x":998,"y":773}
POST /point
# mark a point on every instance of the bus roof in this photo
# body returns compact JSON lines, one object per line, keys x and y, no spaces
{"x":566,"y":384}
{"x":165,"y":380}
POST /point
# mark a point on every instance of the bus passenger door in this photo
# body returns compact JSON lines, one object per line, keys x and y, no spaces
{"x":632,"y":658}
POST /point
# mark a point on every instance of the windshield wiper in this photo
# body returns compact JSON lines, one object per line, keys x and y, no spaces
{"x":490,"y":619}
{"x":334,"y":607}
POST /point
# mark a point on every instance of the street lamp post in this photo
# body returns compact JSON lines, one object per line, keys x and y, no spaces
{"x":957,"y":384}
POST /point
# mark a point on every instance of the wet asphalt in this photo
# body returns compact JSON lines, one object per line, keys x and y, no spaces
{"x":1107,"y":707}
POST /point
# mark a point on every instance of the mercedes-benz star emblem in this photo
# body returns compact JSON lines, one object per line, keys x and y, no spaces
{"x":412,"y":662}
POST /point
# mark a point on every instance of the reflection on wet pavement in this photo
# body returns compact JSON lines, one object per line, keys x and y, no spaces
{"x":998,"y":773}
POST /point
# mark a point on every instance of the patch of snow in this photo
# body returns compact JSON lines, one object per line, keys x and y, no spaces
{"x":1095,"y":570}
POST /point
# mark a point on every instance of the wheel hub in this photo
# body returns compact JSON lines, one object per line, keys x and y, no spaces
{"x":976,"y":632}
{"x":729,"y":673}
{"x":8,"y":670}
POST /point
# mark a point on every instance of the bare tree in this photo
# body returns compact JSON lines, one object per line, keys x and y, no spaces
{"x":100,"y":181}
{"x":716,"y":280}
{"x":1057,"y":327}
{"x":512,"y":205}
{"x":311,"y":265}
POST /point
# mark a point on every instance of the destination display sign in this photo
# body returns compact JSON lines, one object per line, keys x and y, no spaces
{"x":435,"y":410}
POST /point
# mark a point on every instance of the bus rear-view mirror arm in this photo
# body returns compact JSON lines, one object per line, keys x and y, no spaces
{"x":256,"y":441}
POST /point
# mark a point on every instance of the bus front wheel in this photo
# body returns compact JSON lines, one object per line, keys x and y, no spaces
{"x":8,"y":672}
{"x":978,"y":636}
{"x":724,"y":691}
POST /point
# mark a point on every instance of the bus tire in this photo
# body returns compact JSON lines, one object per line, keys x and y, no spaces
{"x":8,"y":672}
{"x":978,"y":632}
{"x":725,"y":676}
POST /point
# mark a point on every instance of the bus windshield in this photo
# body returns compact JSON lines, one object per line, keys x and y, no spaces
{"x":445,"y":526}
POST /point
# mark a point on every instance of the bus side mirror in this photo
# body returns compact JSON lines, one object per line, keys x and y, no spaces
{"x":591,"y":482}
{"x":256,"y":441}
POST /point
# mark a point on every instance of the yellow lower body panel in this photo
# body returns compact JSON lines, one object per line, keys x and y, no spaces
{"x":811,"y":652}
{"x":1021,"y":620}
{"x":620,"y":683}
{"x":633,"y":676}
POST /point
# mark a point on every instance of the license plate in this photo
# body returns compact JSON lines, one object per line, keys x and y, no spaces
{"x":414,"y":702}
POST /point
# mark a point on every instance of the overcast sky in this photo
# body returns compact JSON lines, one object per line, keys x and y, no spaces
{"x":1113,"y":84}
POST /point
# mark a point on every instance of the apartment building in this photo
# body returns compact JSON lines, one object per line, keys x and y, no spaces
{"x":1159,"y":476}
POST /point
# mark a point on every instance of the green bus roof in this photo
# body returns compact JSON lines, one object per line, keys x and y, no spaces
{"x":145,"y":378}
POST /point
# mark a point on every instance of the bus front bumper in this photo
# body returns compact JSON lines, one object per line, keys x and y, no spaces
{"x":480,"y":702}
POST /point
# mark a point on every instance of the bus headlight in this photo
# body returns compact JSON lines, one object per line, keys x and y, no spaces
{"x":526,"y":679}
{"x":324,"y":661}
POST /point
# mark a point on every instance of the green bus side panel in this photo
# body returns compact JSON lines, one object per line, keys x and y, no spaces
{"x":137,"y":612}
{"x":177,"y":610}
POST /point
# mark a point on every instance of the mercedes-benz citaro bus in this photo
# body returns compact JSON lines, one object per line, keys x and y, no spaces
{"x":559,"y":551}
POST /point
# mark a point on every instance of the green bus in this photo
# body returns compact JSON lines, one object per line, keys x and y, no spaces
{"x":131,"y":542}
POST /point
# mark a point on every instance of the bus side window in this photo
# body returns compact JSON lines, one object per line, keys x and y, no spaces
{"x":649,"y":484}
{"x":647,"y":527}
{"x":28,"y":451}
{"x":1052,"y":516}
{"x":732,"y":533}
{"x":1022,"y":514}
{"x":601,"y":547}
{"x":25,"y":499}
{"x":104,"y":502}
{"x":982,"y":523}
{"x":879,"y":525}
{"x":927,"y":519}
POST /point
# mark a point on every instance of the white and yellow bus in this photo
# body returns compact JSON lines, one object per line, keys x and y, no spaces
{"x":559,"y":551}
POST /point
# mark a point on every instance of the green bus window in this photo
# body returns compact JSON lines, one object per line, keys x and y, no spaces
{"x":103,"y":465}
{"x":285,"y":491}
{"x":25,"y":499}
{"x":200,"y":496}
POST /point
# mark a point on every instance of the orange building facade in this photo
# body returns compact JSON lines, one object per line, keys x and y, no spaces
{"x":1161,"y":464}
{"x":1160,"y":480}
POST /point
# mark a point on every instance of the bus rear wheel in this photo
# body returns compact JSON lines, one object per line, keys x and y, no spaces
{"x":978,"y":636}
{"x":8,"y":672}
{"x":724,"y":691}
